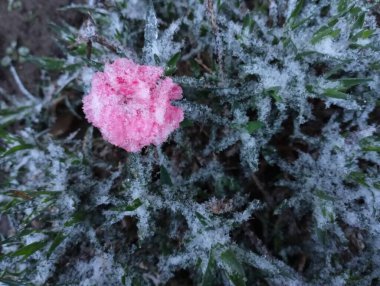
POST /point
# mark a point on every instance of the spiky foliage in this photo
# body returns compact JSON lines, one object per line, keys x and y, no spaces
{"x":272,"y":179}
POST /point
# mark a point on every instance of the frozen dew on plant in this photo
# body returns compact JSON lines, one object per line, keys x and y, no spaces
{"x":274,"y":175}
{"x":131,"y":104}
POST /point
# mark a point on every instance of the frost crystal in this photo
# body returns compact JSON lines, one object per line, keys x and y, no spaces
{"x":274,"y":175}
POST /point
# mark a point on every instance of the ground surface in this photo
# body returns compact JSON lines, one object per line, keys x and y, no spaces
{"x":29,"y":27}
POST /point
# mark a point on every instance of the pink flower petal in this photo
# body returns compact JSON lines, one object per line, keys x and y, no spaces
{"x":130,"y":104}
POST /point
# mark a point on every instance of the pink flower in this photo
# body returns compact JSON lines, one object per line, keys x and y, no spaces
{"x":130,"y":104}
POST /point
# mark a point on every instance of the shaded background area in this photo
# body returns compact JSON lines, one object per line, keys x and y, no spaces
{"x":28,"y":25}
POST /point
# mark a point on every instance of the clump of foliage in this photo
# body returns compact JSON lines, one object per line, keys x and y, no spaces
{"x":272,"y":179}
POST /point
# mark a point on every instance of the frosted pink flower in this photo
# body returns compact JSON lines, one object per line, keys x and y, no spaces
{"x":130,"y":104}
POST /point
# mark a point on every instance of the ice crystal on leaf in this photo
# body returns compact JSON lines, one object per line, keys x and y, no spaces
{"x":274,"y":175}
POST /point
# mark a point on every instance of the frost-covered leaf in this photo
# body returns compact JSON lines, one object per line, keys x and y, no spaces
{"x":350,"y":82}
{"x":29,"y":249}
{"x":324,"y":32}
{"x":253,"y":126}
{"x":290,"y":120}
{"x":49,"y":63}
{"x":129,"y":208}
{"x":165,"y":177}
{"x":297,"y":9}
{"x":55,"y":243}
{"x":208,"y":278}
{"x":150,"y":35}
{"x":335,"y":93}
{"x":16,"y":148}
{"x":233,"y":267}
{"x":76,"y":218}
{"x":171,"y":65}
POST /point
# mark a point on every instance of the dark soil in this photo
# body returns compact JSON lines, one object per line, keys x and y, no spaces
{"x":29,"y":27}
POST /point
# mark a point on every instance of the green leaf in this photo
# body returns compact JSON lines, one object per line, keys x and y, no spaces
{"x":16,"y":149}
{"x":11,"y":111}
{"x":371,"y":148}
{"x":273,"y":92}
{"x":156,"y":59}
{"x":350,"y":82}
{"x":297,"y":9}
{"x":81,"y":50}
{"x":370,"y":144}
{"x":56,"y":242}
{"x":295,"y":25}
{"x":29,"y":249}
{"x":48,"y":63}
{"x":342,"y":6}
{"x":174,"y":59}
{"x":359,"y":21}
{"x":333,"y":71}
{"x":332,"y":22}
{"x":3,"y":133}
{"x":233,"y":268}
{"x":9,"y":205}
{"x":124,"y":279}
{"x":170,"y":71}
{"x":248,"y":22}
{"x":209,"y":276}
{"x":253,"y":126}
{"x":363,"y":34}
{"x":324,"y":32}
{"x":219,"y":4}
{"x":9,"y":282}
{"x":354,"y":11}
{"x":76,"y":218}
{"x":322,"y":195}
{"x":186,"y":123}
{"x":334,"y":93}
{"x":171,"y":65}
{"x":309,"y":88}
{"x":129,"y":208}
{"x":358,"y":177}
{"x":165,"y":177}
{"x":201,"y":218}
{"x":98,"y":66}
